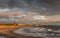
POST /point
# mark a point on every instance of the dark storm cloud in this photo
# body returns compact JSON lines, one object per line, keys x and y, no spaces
{"x":53,"y":5}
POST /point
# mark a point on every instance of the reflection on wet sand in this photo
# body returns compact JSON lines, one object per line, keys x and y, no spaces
{"x":39,"y":32}
{"x":9,"y":33}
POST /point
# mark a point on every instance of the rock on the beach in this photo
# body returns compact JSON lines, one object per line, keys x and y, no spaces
{"x":5,"y":36}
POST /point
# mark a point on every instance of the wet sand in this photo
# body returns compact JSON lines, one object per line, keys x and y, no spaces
{"x":9,"y":32}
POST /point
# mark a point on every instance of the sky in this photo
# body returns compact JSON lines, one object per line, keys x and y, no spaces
{"x":30,"y":11}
